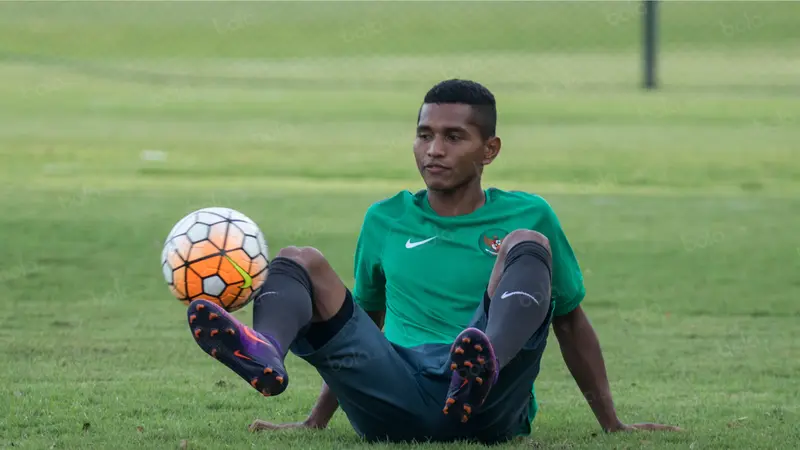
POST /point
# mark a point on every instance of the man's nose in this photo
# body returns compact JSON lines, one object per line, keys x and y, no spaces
{"x":436,"y":148}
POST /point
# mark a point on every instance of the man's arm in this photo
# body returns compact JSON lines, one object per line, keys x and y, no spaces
{"x":581,"y":351}
{"x":576,"y":337}
{"x":327,"y":404}
{"x":323,"y":410}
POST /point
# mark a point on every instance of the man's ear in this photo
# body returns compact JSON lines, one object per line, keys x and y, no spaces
{"x":491,"y":149}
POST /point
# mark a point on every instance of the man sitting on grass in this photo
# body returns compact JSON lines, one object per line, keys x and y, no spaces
{"x":464,"y":282}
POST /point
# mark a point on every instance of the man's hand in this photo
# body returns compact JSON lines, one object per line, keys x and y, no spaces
{"x":318,"y":419}
{"x":581,"y":351}
{"x":644,"y":426}
{"x":261,"y":425}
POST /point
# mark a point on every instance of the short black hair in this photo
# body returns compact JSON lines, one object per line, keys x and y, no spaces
{"x":471,"y":93}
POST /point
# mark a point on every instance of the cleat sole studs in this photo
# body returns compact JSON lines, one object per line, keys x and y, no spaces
{"x":213,"y":316}
{"x":453,"y":366}
{"x":214,"y":332}
{"x":197,"y":332}
{"x":230,"y":331}
{"x":192,"y":318}
{"x":267,"y":371}
{"x":459,"y":351}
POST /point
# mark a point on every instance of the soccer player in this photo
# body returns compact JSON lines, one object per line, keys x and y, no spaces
{"x":456,"y":287}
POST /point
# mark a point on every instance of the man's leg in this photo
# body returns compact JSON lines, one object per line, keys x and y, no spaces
{"x":521,"y":300}
{"x":518,"y":305}
{"x":282,"y":308}
{"x":304,"y":307}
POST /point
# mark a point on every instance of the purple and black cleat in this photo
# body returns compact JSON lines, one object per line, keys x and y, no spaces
{"x":475,"y":371}
{"x":253,"y":356}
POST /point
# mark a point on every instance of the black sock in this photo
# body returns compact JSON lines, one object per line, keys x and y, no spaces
{"x":319,"y":333}
{"x":284,"y":304}
{"x":525,"y":284}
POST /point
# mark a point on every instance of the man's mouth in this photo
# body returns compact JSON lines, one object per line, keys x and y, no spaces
{"x":436,"y":168}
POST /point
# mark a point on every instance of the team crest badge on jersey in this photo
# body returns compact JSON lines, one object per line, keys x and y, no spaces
{"x":490,"y":240}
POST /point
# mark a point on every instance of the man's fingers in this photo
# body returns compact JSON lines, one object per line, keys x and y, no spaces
{"x":655,"y":427}
{"x":259,"y":425}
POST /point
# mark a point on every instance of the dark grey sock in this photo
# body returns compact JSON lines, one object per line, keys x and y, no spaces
{"x":284,"y":304}
{"x":520,"y":304}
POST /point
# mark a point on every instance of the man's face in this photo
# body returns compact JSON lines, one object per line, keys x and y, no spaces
{"x":449,"y":148}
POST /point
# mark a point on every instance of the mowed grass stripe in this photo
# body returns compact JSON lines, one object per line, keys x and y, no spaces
{"x":219,"y":183}
{"x":701,"y":71}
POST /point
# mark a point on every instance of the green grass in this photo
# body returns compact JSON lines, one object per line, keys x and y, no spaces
{"x":682,"y":204}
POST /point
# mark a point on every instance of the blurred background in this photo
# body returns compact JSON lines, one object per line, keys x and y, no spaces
{"x":680,"y":199}
{"x":94,"y":86}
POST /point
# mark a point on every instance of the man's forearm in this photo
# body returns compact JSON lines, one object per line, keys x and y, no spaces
{"x":327,"y":403}
{"x":582,"y":355}
{"x":323,"y":410}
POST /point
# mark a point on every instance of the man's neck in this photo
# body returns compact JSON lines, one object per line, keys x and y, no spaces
{"x":458,"y":202}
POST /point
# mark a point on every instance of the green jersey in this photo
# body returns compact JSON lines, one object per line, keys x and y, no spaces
{"x":430,"y":272}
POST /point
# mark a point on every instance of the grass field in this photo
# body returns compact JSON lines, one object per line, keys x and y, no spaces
{"x":683,"y":205}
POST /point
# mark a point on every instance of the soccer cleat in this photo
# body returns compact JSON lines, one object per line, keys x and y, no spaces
{"x":474,"y":367}
{"x":254,"y":357}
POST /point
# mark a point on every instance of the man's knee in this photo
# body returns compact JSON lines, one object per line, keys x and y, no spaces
{"x":522,"y":235}
{"x":328,"y":291}
{"x":309,"y":258}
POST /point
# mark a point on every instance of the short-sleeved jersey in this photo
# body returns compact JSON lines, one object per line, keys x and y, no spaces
{"x":430,"y":272}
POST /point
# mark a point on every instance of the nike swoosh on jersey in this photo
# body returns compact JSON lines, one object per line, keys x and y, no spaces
{"x":410,"y":244}
{"x":509,"y":294}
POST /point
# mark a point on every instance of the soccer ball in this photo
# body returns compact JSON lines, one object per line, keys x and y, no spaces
{"x":216,"y":254}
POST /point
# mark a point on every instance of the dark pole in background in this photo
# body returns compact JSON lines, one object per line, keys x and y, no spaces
{"x":650,"y":17}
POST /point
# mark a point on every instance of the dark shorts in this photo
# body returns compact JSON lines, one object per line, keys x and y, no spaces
{"x":392,"y":393}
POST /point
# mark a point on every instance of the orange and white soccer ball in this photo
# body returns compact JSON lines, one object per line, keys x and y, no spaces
{"x":216,"y":254}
